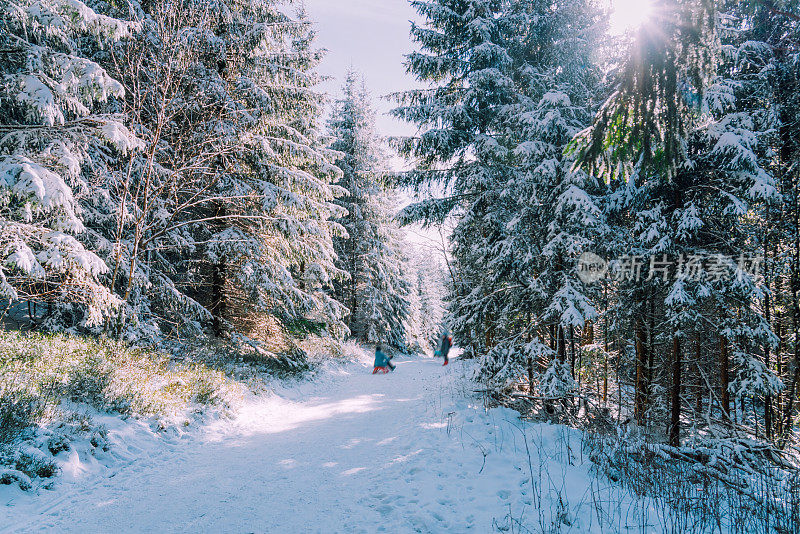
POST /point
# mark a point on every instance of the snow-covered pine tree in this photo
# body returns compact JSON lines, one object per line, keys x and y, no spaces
{"x":778,"y":28}
{"x":515,"y":83}
{"x":759,"y":109}
{"x":734,"y":165}
{"x":551,"y":214}
{"x":225,"y":220}
{"x":680,"y":193}
{"x":49,"y":127}
{"x":376,"y":289}
{"x":461,"y":152}
{"x":275,"y":243}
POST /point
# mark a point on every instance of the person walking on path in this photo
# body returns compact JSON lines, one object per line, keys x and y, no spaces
{"x":383,"y":363}
{"x":444,"y":346}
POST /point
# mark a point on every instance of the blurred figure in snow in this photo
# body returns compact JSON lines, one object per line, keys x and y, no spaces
{"x":383,"y":363}
{"x":444,"y":346}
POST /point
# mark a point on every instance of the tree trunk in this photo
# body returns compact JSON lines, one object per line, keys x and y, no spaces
{"x":605,"y":354}
{"x":699,"y":386}
{"x":353,"y":298}
{"x":787,"y":414}
{"x":675,"y":419}
{"x":588,"y":334}
{"x":488,"y":330}
{"x":768,"y":398}
{"x":530,"y":375}
{"x":218,"y":297}
{"x":779,"y":371}
{"x":640,"y":400}
{"x":724,"y":378}
{"x":218,"y":286}
{"x":572,"y":349}
{"x":651,"y":351}
{"x":605,"y":366}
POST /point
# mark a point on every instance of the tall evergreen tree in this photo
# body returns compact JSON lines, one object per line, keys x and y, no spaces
{"x":225,"y":220}
{"x":552,"y":214}
{"x":691,"y":174}
{"x":461,"y":150}
{"x":375,"y":290}
{"x":514,"y":84}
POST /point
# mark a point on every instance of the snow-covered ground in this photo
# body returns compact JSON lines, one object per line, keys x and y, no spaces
{"x":413,"y":451}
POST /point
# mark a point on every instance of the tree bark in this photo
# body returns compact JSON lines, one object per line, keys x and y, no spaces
{"x":787,"y":414}
{"x":724,"y":378}
{"x":675,"y":419}
{"x":779,"y":371}
{"x":605,"y":361}
{"x":699,"y":385}
{"x":218,"y":288}
{"x":572,"y":351}
{"x":768,"y":398}
{"x":530,"y":375}
{"x":640,"y":400}
{"x":218,"y":297}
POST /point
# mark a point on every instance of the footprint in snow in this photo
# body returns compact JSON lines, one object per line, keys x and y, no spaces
{"x":437,"y":517}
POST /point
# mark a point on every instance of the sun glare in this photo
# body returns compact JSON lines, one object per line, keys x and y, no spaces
{"x":629,"y":15}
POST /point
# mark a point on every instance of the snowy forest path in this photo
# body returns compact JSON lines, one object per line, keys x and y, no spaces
{"x":411,"y":451}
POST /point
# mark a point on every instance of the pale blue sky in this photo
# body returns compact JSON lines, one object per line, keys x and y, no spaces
{"x":372,"y":36}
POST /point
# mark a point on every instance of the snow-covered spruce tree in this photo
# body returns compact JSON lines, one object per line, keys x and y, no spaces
{"x":267,"y":251}
{"x":515,"y":83}
{"x":640,"y":134}
{"x":225,"y":219}
{"x":760,"y":75}
{"x":779,"y":29}
{"x":551,"y":214}
{"x":461,"y":150}
{"x":734,"y":161}
{"x":291,"y":170}
{"x":687,"y":185}
{"x":50,"y":128}
{"x":376,"y":289}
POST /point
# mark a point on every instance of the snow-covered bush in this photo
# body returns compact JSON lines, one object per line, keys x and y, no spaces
{"x":557,"y":381}
{"x":46,"y":382}
{"x":38,"y":372}
{"x":36,"y":455}
{"x":713,"y":485}
{"x":501,"y":367}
